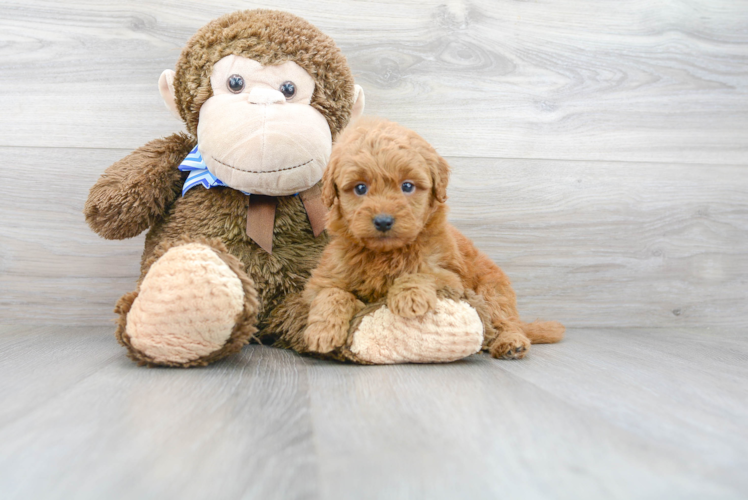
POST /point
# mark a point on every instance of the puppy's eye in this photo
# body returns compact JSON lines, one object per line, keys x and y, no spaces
{"x":235,"y":83}
{"x":288,"y":89}
{"x":360,"y":189}
{"x":408,"y":187}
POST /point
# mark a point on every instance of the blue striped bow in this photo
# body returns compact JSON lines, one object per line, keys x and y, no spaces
{"x":199,"y":173}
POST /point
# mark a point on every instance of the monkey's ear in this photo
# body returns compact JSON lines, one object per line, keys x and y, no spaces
{"x":358,"y":103}
{"x":441,"y":179}
{"x":329,"y":190}
{"x":166,"y":88}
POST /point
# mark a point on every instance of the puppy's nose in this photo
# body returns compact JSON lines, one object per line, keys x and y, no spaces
{"x":383,"y":222}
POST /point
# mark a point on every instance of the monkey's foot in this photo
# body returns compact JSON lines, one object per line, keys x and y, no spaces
{"x":450,"y":331}
{"x":195,"y":305}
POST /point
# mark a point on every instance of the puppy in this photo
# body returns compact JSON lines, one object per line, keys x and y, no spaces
{"x":390,"y":240}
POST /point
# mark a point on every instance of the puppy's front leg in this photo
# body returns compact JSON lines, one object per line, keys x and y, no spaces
{"x":412,"y":295}
{"x":329,"y":317}
{"x":448,"y":284}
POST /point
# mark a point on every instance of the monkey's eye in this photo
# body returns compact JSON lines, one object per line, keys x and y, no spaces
{"x":288,"y":89}
{"x":235,"y":83}
{"x":360,"y":189}
{"x":408,"y":187}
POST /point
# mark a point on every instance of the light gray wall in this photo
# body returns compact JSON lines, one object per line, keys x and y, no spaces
{"x":600,"y":148}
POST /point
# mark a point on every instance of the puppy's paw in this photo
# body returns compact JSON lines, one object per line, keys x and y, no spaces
{"x":325,"y":337}
{"x":510,"y":346}
{"x":412,"y":302}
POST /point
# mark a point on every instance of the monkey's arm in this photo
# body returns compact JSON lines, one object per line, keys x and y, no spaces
{"x":137,"y":190}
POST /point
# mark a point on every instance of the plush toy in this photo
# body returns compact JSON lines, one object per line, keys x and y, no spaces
{"x":233,"y":206}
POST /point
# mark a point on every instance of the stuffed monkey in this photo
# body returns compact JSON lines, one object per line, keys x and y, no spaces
{"x":233,"y":207}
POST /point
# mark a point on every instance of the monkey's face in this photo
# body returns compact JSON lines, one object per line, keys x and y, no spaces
{"x":258,"y":132}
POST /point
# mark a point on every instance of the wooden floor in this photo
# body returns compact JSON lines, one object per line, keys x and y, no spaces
{"x":627,"y":413}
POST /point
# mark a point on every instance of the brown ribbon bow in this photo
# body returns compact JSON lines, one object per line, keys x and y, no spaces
{"x":261,"y":216}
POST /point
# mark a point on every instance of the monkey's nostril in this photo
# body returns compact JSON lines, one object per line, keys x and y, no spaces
{"x":383,"y":222}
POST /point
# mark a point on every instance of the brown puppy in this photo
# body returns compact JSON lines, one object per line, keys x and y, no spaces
{"x":390,"y":240}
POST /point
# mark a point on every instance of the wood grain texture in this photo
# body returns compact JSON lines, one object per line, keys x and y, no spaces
{"x":88,"y":423}
{"x":614,"y":244}
{"x":663,"y":81}
{"x":598,"y":416}
{"x":617,"y":413}
{"x":586,"y":243}
{"x":590,"y":243}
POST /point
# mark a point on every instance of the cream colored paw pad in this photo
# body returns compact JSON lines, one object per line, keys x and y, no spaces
{"x":186,"y":306}
{"x":451,"y":331}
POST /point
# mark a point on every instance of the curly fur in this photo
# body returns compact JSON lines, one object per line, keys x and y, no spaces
{"x":419,"y":257}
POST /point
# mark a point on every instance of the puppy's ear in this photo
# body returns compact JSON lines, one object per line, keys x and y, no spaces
{"x":329,"y":189}
{"x":440,"y":176}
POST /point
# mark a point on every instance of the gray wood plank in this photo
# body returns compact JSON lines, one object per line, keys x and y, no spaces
{"x":464,"y":434}
{"x":52,"y":265}
{"x":608,"y":413}
{"x":614,"y":244}
{"x":105,"y":428}
{"x":587,"y":243}
{"x":561,"y":424}
{"x":685,"y":389}
{"x":634,"y":81}
{"x":38,"y":363}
